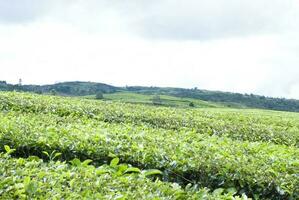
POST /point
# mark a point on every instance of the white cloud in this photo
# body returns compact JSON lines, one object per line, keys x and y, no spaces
{"x":116,"y":42}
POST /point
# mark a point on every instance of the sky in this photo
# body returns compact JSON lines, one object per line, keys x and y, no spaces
{"x":248,"y":46}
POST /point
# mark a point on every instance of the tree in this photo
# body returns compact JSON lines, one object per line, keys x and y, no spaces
{"x":191,"y":104}
{"x":53,"y":92}
{"x":99,"y":95}
{"x":157,"y":100}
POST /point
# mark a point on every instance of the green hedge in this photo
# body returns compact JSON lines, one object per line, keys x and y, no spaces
{"x":259,"y":169}
{"x":32,"y":178}
{"x":244,"y":125}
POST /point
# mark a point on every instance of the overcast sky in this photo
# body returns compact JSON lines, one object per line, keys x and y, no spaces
{"x":247,"y":46}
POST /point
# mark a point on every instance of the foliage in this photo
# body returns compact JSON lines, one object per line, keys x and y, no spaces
{"x":99,"y":95}
{"x":53,"y":92}
{"x":165,"y":100}
{"x":251,"y":125}
{"x":65,"y":88}
{"x":225,"y":98}
{"x":157,"y":100}
{"x":191,"y":104}
{"x":32,"y":178}
{"x":242,"y":151}
{"x":254,"y":168}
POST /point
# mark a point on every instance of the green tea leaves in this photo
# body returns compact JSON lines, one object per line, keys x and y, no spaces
{"x":132,"y":170}
{"x":114,"y":162}
{"x":152,"y":172}
{"x":8,"y":150}
{"x":241,"y":151}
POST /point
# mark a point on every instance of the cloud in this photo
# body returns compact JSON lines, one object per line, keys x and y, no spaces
{"x":200,"y":19}
{"x":21,"y":11}
{"x":248,"y":46}
{"x":185,"y":20}
{"x":161,"y":19}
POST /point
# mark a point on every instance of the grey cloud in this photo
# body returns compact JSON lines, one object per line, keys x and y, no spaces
{"x":163,"y":19}
{"x":197,"y":19}
{"x":201,"y":19}
{"x":20,"y":11}
{"x":27,"y":11}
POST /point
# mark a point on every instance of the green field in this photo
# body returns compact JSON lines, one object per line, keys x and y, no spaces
{"x":76,"y":148}
{"x":130,"y":97}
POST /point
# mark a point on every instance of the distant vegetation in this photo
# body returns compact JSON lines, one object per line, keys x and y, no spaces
{"x":65,"y":89}
{"x":223,"y":98}
{"x":226,"y":98}
{"x":157,"y":100}
{"x":99,"y":95}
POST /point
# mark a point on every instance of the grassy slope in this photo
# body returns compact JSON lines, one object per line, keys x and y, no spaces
{"x":130,"y":97}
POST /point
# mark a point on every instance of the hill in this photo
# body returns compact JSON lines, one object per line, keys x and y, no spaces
{"x":151,"y":99}
{"x":228,"y":99}
{"x":225,"y":98}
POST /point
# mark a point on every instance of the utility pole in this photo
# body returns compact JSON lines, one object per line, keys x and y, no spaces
{"x":20,"y":82}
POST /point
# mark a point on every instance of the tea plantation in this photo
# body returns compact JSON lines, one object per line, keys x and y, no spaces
{"x":71,"y":148}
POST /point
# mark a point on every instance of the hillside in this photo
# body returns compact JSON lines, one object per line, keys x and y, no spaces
{"x":164,"y":100}
{"x":115,"y":149}
{"x":227,"y":99}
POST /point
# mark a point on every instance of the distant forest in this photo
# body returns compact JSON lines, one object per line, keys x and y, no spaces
{"x":90,"y":88}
